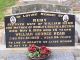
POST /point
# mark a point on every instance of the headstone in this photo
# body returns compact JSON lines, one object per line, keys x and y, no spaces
{"x":40,"y":28}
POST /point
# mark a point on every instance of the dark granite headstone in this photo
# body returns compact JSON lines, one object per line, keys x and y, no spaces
{"x":40,"y":28}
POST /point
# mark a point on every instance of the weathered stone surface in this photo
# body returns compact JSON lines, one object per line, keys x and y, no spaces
{"x":40,"y":7}
{"x":54,"y":56}
{"x":77,"y":58}
{"x":17,"y":56}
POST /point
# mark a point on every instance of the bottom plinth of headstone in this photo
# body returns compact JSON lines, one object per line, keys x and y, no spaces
{"x":56,"y":55}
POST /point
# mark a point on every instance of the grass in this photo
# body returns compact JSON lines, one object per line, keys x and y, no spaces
{"x":3,"y":5}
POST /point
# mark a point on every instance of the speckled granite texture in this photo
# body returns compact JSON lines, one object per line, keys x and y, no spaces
{"x":56,"y":55}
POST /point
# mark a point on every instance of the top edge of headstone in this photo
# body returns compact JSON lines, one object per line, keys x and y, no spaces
{"x":37,"y":12}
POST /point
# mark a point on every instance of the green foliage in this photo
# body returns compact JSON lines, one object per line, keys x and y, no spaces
{"x":3,"y":5}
